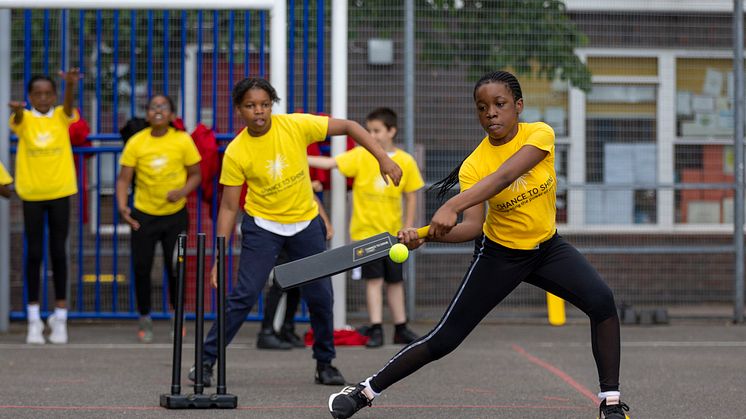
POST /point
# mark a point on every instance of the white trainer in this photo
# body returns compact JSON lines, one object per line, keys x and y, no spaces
{"x":35,"y":332}
{"x":59,"y":330}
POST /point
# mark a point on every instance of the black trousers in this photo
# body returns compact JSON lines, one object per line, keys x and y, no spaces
{"x":556,"y":266}
{"x":154,"y":229}
{"x":57,"y":212}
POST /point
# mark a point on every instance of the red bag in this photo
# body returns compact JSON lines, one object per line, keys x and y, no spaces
{"x":79,"y":131}
{"x":343,"y":337}
{"x":207,"y":145}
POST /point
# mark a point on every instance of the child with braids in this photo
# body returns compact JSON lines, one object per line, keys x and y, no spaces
{"x":512,"y":169}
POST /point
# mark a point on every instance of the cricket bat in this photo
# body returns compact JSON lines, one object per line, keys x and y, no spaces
{"x":334,"y":261}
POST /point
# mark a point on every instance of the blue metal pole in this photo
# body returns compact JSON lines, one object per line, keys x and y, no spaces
{"x":150,"y":54}
{"x":115,"y":81}
{"x":97,"y":262}
{"x":215,"y":59}
{"x":262,"y":24}
{"x":63,"y":42}
{"x":306,"y":19}
{"x":133,"y":62}
{"x":99,"y":66}
{"x":46,"y":41}
{"x":231,"y":56}
{"x":291,"y":57}
{"x":182,"y":79}
{"x":320,"y":56}
{"x":80,"y":303}
{"x":199,"y":66}
{"x":26,"y":52}
{"x":166,"y":40}
{"x":246,"y":40}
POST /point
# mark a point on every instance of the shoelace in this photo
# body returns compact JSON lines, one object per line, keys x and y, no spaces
{"x":357,"y":394}
{"x":616,"y":408}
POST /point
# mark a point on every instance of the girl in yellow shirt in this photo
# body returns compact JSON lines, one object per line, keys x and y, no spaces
{"x":167,"y":165}
{"x":45,"y":180}
{"x":512,"y":172}
{"x":269,"y":156}
{"x":5,"y":180}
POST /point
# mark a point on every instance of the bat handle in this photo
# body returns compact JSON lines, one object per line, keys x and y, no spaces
{"x":422,"y":231}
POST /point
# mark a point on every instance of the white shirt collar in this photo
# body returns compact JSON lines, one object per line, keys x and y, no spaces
{"x":49,"y":113}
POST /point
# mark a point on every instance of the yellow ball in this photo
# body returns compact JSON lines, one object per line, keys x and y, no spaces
{"x":399,"y":253}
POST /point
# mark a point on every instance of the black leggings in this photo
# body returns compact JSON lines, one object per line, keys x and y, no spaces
{"x":58,"y":217}
{"x":154,"y":229}
{"x":494,"y":273}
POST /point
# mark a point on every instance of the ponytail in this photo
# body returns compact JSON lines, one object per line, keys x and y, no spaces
{"x":447,"y":183}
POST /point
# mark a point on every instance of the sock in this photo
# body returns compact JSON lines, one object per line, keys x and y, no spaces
{"x":612,"y":396}
{"x":33,"y":312}
{"x":400,"y":327}
{"x":375,"y":326}
{"x":60,"y":313}
{"x":369,"y":392}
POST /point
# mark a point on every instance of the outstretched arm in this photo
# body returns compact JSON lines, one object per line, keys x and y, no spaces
{"x":322,"y":162}
{"x":71,"y":78}
{"x":521,"y":162}
{"x":469,"y":228}
{"x":361,"y":136}
{"x":17,"y":109}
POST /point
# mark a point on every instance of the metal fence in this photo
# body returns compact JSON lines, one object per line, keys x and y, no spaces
{"x":641,"y":102}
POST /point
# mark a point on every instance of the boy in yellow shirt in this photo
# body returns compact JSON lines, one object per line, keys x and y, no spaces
{"x":5,"y":180}
{"x":377,"y":208}
{"x":45,"y":180}
{"x":167,"y":165}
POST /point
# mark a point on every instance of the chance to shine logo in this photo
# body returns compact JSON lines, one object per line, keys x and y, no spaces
{"x":276,"y":167}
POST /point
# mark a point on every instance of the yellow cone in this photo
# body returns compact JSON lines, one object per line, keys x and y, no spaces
{"x":555,"y":310}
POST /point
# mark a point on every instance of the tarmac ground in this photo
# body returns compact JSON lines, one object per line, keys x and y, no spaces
{"x":521,"y":370}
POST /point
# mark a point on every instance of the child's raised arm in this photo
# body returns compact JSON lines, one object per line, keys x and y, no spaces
{"x":362,"y":136}
{"x":71,"y":78}
{"x":17,"y":109}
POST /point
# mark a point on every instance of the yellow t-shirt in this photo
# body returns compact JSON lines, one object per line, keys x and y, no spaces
{"x":5,"y":178}
{"x":44,"y":162}
{"x":160,"y":166}
{"x":524,"y":214}
{"x":275,"y":168}
{"x":377,"y":207}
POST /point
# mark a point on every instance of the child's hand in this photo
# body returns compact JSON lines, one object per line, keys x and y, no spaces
{"x":443,"y":221}
{"x":214,"y":275}
{"x":175,"y":195}
{"x":410,"y":238}
{"x":17,"y":106}
{"x":126,"y":214}
{"x":391,"y":169}
{"x":72,"y":75}
{"x":329,"y":231}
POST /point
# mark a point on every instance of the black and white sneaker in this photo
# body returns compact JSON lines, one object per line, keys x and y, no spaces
{"x":612,"y":408}
{"x":344,"y":404}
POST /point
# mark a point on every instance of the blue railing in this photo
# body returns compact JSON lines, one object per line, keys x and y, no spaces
{"x":106,"y":255}
{"x":121,"y":303}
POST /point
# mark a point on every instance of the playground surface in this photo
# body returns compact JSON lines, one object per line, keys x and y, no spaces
{"x":505,"y":369}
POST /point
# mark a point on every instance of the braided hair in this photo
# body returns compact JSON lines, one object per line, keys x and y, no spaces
{"x":243,"y":86}
{"x":511,"y":82}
